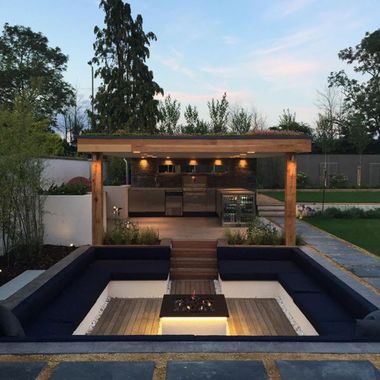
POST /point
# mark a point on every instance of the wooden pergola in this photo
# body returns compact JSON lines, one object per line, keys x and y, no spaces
{"x":263,"y":144}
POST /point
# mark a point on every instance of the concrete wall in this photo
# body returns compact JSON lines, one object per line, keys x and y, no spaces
{"x":117,"y":196}
{"x":270,"y":171}
{"x":61,"y":170}
{"x":67,"y":219}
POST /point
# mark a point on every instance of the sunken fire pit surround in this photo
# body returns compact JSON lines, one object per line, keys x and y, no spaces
{"x":194,"y":315}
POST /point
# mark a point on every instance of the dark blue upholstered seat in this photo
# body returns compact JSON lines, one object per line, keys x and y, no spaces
{"x":329,"y":304}
{"x":60,"y":305}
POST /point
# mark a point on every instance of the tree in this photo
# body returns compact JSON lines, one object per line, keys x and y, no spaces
{"x":258,"y":121}
{"x":358,"y":133}
{"x":22,"y":140}
{"x":170,"y":112}
{"x":73,"y":121}
{"x":32,"y":72}
{"x":241,"y":121}
{"x":287,"y":122}
{"x":194,"y":126}
{"x":126,"y":97}
{"x":326,"y":137}
{"x":326,"y":133}
{"x":218,"y":110}
{"x":362,"y":96}
{"x":358,"y":137}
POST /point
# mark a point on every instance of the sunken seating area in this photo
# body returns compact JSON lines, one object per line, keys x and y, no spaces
{"x":58,"y":306}
{"x":329,"y":304}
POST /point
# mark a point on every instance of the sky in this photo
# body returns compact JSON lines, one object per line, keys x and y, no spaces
{"x":267,"y":55}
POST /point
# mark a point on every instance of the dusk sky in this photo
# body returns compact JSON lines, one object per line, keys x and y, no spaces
{"x":270,"y":55}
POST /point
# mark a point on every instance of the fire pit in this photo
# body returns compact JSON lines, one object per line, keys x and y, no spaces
{"x":194,"y":315}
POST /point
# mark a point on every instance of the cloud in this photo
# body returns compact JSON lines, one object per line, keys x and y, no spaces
{"x":230,"y":40}
{"x":174,"y":62}
{"x":285,"y":8}
{"x":284,"y":67}
{"x":224,"y":71}
{"x":290,"y":41}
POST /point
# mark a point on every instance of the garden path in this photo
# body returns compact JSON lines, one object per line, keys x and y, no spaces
{"x":354,"y":259}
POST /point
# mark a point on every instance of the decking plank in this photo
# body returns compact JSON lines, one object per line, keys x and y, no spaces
{"x":257,"y":317}
{"x":248,"y":316}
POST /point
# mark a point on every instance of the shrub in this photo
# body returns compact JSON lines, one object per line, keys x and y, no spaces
{"x":258,"y":233}
{"x":126,"y":232}
{"x":339,"y":181}
{"x":235,"y":237}
{"x":67,"y":189}
{"x":261,"y":233}
{"x":302,"y":180}
{"x":148,"y":236}
{"x":350,"y":213}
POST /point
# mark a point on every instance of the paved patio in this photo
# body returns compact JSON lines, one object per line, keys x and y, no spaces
{"x":364,"y":265}
{"x":190,"y":366}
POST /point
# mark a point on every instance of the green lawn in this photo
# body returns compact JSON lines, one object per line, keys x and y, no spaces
{"x":361,"y":232}
{"x":331,"y":197}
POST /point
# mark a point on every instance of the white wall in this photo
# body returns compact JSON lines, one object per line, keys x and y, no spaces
{"x":67,"y":219}
{"x":59,"y":170}
{"x":117,"y":196}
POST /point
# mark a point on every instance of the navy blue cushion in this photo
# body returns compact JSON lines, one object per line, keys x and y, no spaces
{"x":254,"y":253}
{"x":338,"y":329}
{"x":49,"y":329}
{"x":60,"y":305}
{"x":156,"y":252}
{"x":298,"y":282}
{"x":254,"y":269}
{"x":358,"y":306}
{"x":320,"y":307}
{"x":367,"y":328}
{"x":9,"y":323}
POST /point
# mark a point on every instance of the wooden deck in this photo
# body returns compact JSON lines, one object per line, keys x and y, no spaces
{"x":129,"y":316}
{"x":254,"y":316}
{"x":248,"y":316}
{"x":188,"y":287}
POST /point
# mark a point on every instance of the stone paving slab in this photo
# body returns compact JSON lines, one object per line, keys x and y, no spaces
{"x":216,"y":370}
{"x":20,"y":370}
{"x":103,"y":370}
{"x":353,"y":259}
{"x":327,"y":370}
{"x":18,"y":282}
{"x":373,"y":281}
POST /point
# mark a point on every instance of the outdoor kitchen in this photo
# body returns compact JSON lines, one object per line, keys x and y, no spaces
{"x":194,"y":187}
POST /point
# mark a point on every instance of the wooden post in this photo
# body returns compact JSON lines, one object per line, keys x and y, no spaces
{"x":290,"y":199}
{"x":97,"y":198}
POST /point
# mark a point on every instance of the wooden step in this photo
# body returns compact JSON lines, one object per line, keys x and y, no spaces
{"x":193,"y":273}
{"x":192,"y":252}
{"x":191,"y":262}
{"x":194,"y":244}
